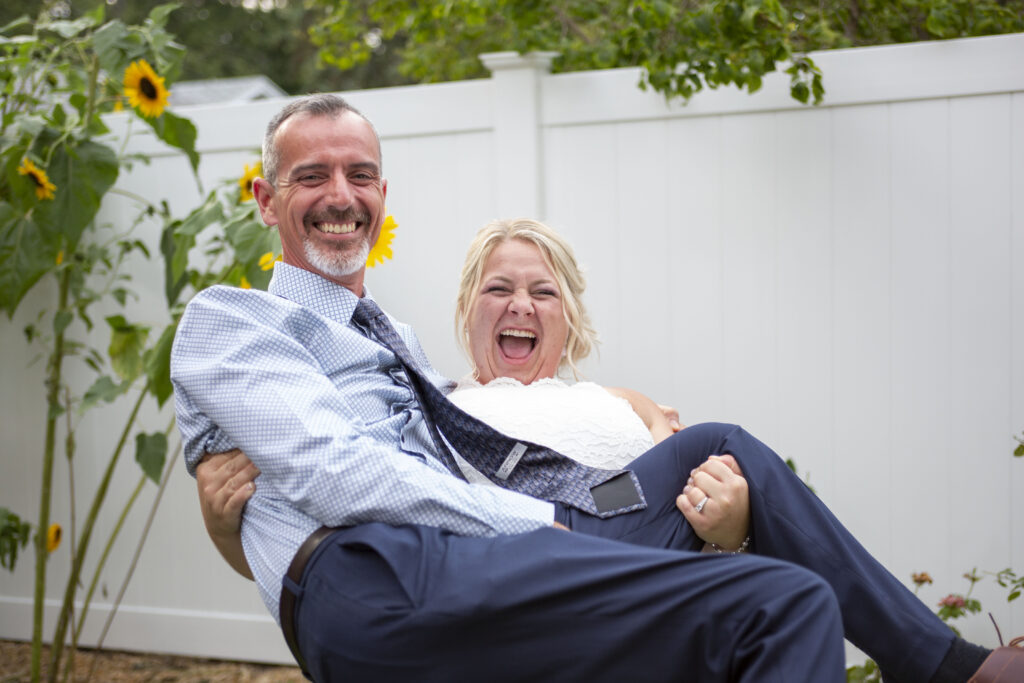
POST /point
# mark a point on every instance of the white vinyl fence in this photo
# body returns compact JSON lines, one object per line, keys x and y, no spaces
{"x":847,"y":281}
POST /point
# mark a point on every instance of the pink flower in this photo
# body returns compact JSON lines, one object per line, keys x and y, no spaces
{"x":953,"y":600}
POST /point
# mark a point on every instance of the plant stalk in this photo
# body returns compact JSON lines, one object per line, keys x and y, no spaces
{"x":53,"y":383}
{"x":60,"y":633}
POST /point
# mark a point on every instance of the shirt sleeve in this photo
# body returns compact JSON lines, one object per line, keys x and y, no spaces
{"x":258,"y":386}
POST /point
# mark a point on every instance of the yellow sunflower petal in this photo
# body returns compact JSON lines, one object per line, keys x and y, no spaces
{"x":144,"y":89}
{"x":245,"y":182}
{"x":53,"y":535}
{"x":245,"y":284}
{"x":60,"y":257}
{"x":267,"y":261}
{"x":44,"y":188}
{"x":382,"y":249}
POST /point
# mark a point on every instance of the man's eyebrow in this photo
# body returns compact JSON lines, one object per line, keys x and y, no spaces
{"x":318,"y":166}
{"x":306,"y":168}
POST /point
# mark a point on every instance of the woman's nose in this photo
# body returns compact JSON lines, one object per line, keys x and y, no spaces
{"x":521,"y":304}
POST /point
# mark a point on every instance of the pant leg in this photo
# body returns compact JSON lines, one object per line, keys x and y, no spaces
{"x":417,"y":604}
{"x":880,"y":615}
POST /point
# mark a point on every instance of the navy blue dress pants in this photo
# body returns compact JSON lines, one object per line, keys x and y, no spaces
{"x":621,"y":599}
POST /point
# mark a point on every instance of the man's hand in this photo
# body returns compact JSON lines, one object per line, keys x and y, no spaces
{"x":226,"y":482}
{"x":724,"y":518}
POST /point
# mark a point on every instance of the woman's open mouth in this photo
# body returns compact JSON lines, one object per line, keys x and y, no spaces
{"x":516,"y":344}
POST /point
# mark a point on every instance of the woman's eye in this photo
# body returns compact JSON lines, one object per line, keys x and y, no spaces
{"x":545,"y":292}
{"x":496,"y":289}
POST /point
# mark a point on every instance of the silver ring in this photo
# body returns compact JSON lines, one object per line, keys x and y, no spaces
{"x":700,"y":506}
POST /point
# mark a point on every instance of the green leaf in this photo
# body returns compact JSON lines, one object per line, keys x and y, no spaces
{"x":82,"y":174}
{"x":109,"y":43}
{"x":68,"y":29}
{"x":126,"y":344}
{"x":61,"y":321}
{"x":24,"y":257}
{"x":103,"y":389}
{"x":150,"y":453}
{"x":177,"y":132}
{"x":14,"y":535}
{"x":158,"y":365}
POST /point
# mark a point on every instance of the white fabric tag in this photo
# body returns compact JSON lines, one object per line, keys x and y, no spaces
{"x":511,"y":461}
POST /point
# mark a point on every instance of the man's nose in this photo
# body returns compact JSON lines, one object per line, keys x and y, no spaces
{"x":339,"y":192}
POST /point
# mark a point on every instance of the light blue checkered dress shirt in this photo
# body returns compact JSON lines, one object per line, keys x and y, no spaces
{"x":327,"y":416}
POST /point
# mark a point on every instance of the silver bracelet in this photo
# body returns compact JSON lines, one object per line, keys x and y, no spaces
{"x":742,"y":549}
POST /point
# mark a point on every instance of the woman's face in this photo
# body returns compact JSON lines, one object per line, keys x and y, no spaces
{"x":516,"y":325}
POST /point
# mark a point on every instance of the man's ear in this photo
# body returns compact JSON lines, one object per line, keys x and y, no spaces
{"x":263,"y":191}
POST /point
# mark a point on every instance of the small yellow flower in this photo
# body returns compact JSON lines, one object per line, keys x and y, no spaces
{"x":245,"y":182}
{"x":60,"y":257}
{"x":245,"y":284}
{"x":382,"y":249}
{"x":53,"y":537}
{"x":44,"y":188}
{"x":268,"y":260}
{"x":119,"y":104}
{"x":144,"y":89}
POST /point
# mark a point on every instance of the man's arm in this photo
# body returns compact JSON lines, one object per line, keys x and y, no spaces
{"x":225,"y":482}
{"x":269,"y":395}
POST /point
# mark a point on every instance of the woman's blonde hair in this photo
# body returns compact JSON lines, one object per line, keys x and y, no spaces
{"x":557,"y":255}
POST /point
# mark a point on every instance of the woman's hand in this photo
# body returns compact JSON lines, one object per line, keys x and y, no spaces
{"x":724,"y":518}
{"x":655,"y":417}
{"x":226,"y":482}
{"x":672,"y":415}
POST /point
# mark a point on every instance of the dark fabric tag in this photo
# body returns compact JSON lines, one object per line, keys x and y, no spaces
{"x":615,"y":494}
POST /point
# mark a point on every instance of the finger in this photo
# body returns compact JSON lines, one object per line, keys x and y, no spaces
{"x":239,"y":498}
{"x":730,"y":461}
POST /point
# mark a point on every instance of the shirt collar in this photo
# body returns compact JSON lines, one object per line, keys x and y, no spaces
{"x":317,"y":293}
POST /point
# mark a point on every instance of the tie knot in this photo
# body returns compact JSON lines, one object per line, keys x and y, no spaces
{"x":366,"y":310}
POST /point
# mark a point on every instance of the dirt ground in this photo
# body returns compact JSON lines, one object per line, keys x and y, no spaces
{"x":130,"y":667}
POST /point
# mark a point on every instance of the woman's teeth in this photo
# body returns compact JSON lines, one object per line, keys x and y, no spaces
{"x":518,"y":333}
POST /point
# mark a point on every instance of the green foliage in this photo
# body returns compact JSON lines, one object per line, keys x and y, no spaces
{"x":151,"y":453}
{"x":58,"y":164}
{"x":682,"y":46}
{"x":14,"y":535}
{"x":1018,"y":452}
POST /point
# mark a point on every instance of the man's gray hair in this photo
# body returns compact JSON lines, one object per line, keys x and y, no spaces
{"x":320,"y":104}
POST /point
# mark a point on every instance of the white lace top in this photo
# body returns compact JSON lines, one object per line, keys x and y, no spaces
{"x":581,"y":420}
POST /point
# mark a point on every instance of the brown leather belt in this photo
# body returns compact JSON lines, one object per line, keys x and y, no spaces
{"x":295,"y":571}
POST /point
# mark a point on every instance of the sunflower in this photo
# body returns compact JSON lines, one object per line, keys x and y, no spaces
{"x":268,"y":260}
{"x":53,"y":537}
{"x":382,"y":249}
{"x":245,"y":182}
{"x":144,"y":89}
{"x":44,"y":188}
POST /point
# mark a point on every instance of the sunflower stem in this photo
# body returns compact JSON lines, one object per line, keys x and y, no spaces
{"x":138,"y":552}
{"x":53,"y":384}
{"x":57,"y":647}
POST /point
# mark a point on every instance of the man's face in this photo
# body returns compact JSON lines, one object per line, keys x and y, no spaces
{"x":328,"y":205}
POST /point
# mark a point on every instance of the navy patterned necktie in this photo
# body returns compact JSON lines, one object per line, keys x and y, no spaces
{"x":529,"y":468}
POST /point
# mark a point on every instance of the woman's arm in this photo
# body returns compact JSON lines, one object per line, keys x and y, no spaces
{"x":649,"y":411}
{"x":225,"y":483}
